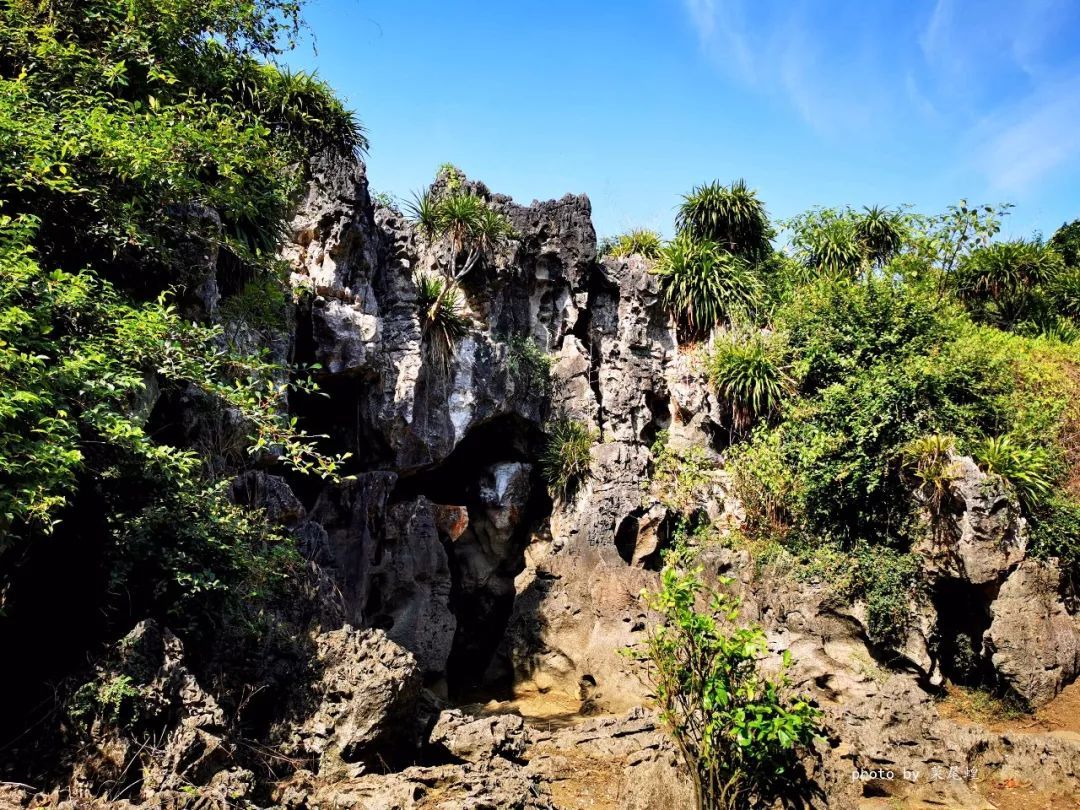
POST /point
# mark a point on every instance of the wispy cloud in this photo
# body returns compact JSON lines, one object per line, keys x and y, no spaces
{"x":999,"y":80}
{"x":1021,"y":145}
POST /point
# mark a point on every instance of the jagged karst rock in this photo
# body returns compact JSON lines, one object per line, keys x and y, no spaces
{"x":479,"y":739}
{"x":497,"y":784}
{"x":363,"y":707}
{"x":1034,"y":639}
{"x":271,"y":493}
{"x":169,"y":700}
{"x":360,"y":262}
{"x":389,"y":563}
{"x":980,"y":536}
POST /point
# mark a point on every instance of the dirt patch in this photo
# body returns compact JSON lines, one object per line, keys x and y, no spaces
{"x":584,"y":781}
{"x":1012,"y":794}
{"x":1061,"y":716}
{"x":549,"y":711}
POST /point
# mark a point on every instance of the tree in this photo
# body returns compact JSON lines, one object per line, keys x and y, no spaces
{"x":129,"y":133}
{"x":1066,"y":241}
{"x":738,"y":730}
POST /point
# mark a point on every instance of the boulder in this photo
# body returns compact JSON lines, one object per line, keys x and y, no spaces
{"x":480,"y":739}
{"x":362,"y":707}
{"x":1034,"y":638}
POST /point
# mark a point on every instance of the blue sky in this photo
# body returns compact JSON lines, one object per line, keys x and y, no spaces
{"x":635,"y":102}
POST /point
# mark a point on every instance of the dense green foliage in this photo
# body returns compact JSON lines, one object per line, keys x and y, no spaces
{"x":566,"y":456}
{"x":637,"y":242}
{"x":529,"y":366}
{"x":731,"y":216}
{"x":747,"y":374}
{"x":136,"y":139}
{"x":739,"y":731}
{"x":703,"y":284}
{"x":861,"y":361}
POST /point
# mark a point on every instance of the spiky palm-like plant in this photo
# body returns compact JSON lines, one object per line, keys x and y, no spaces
{"x":749,"y":377}
{"x":929,"y":460}
{"x":731,"y":216}
{"x":881,"y":233}
{"x":1028,"y":469}
{"x":566,"y":456}
{"x":303,"y":105}
{"x":702,"y":284}
{"x":442,"y":325}
{"x":640,"y":242}
{"x":996,"y":281}
{"x":473,"y":228}
{"x":835,"y":248}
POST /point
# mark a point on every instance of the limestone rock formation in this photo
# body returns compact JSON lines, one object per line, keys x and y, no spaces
{"x":361,"y":710}
{"x":1034,"y":639}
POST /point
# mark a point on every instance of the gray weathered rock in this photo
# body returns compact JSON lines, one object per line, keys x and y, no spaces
{"x":980,"y":536}
{"x":389,"y":563}
{"x":479,"y":739}
{"x":1034,"y":640}
{"x":362,"y":707}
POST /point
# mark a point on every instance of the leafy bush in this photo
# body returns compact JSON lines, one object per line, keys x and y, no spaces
{"x":1027,"y":469}
{"x":1066,"y":241}
{"x":638,"y":242}
{"x":1055,"y":533}
{"x":731,"y":217}
{"x":703,"y":285}
{"x":131,"y":135}
{"x":746,"y":373}
{"x":1003,"y":283}
{"x":566,"y":457}
{"x":680,"y":479}
{"x":529,"y":366}
{"x":738,"y":730}
{"x":261,"y":305}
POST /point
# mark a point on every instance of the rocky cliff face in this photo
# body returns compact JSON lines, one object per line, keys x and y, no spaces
{"x":444,"y":573}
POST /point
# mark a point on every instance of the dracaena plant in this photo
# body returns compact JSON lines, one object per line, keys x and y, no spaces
{"x":473,"y":229}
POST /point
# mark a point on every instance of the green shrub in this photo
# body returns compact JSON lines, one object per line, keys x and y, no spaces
{"x":891,"y":584}
{"x":1055,"y":533}
{"x":1066,"y":241}
{"x":1003,"y":283}
{"x":731,"y":217}
{"x":747,"y":375}
{"x":638,"y":242}
{"x":261,"y":305}
{"x":703,"y":285}
{"x":739,"y":731}
{"x":566,"y":456}
{"x":680,"y":479}
{"x":115,"y":701}
{"x":529,"y":366}
{"x":121,"y":125}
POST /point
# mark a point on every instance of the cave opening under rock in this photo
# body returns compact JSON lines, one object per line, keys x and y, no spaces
{"x":963,"y":612}
{"x":493,"y":474}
